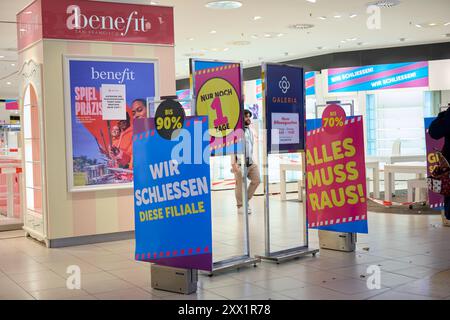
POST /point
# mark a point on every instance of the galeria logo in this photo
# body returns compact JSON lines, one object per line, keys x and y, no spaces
{"x":78,"y":21}
{"x":284,"y":84}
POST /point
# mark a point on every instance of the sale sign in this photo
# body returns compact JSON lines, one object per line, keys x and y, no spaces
{"x":218,"y":95}
{"x":336,"y":174}
{"x":101,"y":96}
{"x":172,"y":195}
{"x":436,"y":200}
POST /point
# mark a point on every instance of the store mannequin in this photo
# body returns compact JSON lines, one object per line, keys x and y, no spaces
{"x":440,"y":128}
{"x":252,"y":167}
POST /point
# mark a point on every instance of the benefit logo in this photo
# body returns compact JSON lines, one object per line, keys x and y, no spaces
{"x":122,"y":25}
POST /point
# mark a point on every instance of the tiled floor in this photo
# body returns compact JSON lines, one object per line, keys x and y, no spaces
{"x":413,"y":253}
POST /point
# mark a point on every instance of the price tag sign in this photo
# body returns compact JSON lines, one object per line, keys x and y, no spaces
{"x":333,"y":119}
{"x":169,"y":119}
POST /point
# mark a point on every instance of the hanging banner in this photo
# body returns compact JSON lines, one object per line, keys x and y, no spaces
{"x":436,"y":200}
{"x":285,"y":108}
{"x":386,"y":76}
{"x":172,"y":195}
{"x":99,"y":144}
{"x":336,"y":174}
{"x":310,"y":83}
{"x":218,"y":95}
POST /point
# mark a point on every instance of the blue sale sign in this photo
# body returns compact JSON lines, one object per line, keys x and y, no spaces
{"x":172,"y":195}
{"x":285,"y":108}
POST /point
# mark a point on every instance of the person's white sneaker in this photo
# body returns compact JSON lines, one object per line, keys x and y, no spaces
{"x":240,"y":210}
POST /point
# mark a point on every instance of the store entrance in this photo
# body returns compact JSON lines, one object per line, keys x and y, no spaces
{"x":10,"y":167}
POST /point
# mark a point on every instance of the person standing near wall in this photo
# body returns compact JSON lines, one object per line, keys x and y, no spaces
{"x":252,"y":168}
{"x":440,"y":128}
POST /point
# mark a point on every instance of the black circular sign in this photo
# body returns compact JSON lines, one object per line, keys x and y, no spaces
{"x":169,"y":119}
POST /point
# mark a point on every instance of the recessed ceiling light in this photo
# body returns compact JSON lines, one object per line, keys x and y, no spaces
{"x":337,"y":16}
{"x":312,"y":1}
{"x":385,"y":3}
{"x":343,"y":41}
{"x":418,"y":26}
{"x":22,"y":30}
{"x":301,"y":26}
{"x":191,"y":39}
{"x":28,"y":12}
{"x":447,"y":24}
{"x":226,"y":49}
{"x":257,"y":18}
{"x":240,"y":43}
{"x":13,"y":64}
{"x":432,"y":24}
{"x":8,"y":83}
{"x":1,"y":57}
{"x":280,"y":35}
{"x":351,"y":39}
{"x":322,"y":18}
{"x":353,"y":15}
{"x":213,"y":32}
{"x":223,"y":5}
{"x":194,"y":54}
{"x":153,"y":3}
{"x":255,"y":36}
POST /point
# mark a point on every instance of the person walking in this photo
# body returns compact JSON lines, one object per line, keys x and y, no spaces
{"x":440,"y":128}
{"x":252,"y":168}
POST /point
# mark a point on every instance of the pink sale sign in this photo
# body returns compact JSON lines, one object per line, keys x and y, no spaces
{"x":336,"y":171}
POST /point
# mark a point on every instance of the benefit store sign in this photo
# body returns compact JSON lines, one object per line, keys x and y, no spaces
{"x":95,"y":21}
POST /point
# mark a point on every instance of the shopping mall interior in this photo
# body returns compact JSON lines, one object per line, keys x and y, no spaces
{"x":357,"y":89}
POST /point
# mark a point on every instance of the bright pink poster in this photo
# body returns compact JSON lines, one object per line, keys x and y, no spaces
{"x":336,"y":173}
{"x":436,"y":200}
{"x":218,"y":95}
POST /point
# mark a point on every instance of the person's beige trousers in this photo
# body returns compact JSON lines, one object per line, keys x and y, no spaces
{"x":255,"y":180}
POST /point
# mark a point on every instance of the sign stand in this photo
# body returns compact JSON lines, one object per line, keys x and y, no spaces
{"x":338,"y":241}
{"x":175,"y":280}
{"x":245,"y":259}
{"x":297,"y":252}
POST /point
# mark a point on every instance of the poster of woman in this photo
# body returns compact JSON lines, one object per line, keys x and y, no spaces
{"x":99,"y":153}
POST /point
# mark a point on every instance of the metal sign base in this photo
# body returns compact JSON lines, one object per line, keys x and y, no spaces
{"x":291,"y":254}
{"x":175,"y":280}
{"x":337,"y":241}
{"x":233,"y":264}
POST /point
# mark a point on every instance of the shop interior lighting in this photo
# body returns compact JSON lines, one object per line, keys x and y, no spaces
{"x":223,"y":5}
{"x":385,"y":3}
{"x":301,"y":26}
